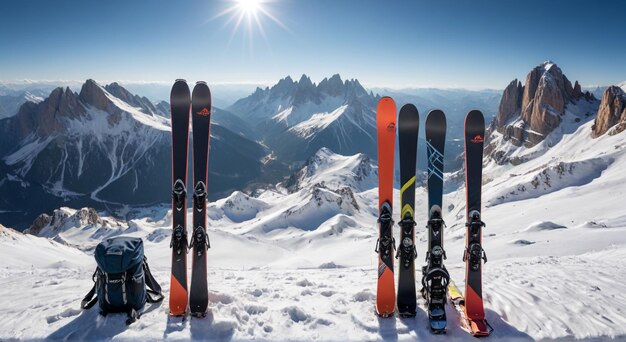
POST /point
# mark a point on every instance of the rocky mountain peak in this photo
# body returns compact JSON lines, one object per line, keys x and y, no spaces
{"x":305,"y":82}
{"x":332,"y":86}
{"x":43,"y":117}
{"x":612,"y":112}
{"x":510,"y":104}
{"x":93,"y":94}
{"x":528,"y":113}
{"x":305,"y":91}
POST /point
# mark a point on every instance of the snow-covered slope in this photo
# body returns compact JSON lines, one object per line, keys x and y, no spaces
{"x":297,"y":263}
{"x":335,"y":171}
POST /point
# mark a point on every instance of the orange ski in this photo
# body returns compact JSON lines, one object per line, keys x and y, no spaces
{"x":478,"y":327}
{"x":386,"y":126}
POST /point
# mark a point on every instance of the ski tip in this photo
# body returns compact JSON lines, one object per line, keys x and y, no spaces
{"x":475,"y":114}
{"x":436,"y":114}
{"x":387,"y":100}
{"x":180,"y":80}
{"x":409,"y":107}
{"x":201,"y":82}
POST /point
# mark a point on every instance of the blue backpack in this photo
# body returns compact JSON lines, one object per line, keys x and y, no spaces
{"x":123,"y":282}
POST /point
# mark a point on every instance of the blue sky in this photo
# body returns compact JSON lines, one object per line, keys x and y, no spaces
{"x":470,"y":44}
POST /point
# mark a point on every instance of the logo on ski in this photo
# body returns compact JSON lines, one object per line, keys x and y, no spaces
{"x":477,"y":139}
{"x":381,"y":269}
{"x":203,"y":112}
{"x":391,"y":126}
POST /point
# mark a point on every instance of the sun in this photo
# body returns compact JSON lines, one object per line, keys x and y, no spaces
{"x":249,"y":6}
{"x":251,"y":14}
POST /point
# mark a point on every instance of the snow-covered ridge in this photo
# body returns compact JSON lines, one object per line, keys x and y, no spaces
{"x":335,"y":171}
{"x":83,"y":228}
{"x":317,"y":122}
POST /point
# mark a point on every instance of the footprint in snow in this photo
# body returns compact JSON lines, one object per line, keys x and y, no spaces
{"x":220,"y":298}
{"x":304,"y":283}
{"x":364,"y":296}
{"x":255,"y":309}
{"x":522,"y":242}
{"x":296,"y":314}
{"x":64,"y":314}
{"x":256,"y":292}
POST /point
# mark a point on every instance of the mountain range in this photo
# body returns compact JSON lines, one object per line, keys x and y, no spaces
{"x":107,"y":148}
{"x":297,"y":118}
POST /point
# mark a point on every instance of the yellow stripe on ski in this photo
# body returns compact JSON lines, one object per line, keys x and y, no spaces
{"x":407,"y":185}
{"x":406,"y":209}
{"x":453,"y":291}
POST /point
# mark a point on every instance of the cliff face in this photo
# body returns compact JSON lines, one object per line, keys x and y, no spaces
{"x":530,"y":112}
{"x":612,"y":112}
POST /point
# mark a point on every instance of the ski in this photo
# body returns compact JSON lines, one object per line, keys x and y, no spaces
{"x":471,"y":306}
{"x":386,"y":127}
{"x":180,"y":102}
{"x":435,"y":277}
{"x":456,"y":298}
{"x":408,"y":127}
{"x":201,"y":121}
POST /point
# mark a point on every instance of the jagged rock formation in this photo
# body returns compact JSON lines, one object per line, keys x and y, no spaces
{"x":297,"y":118}
{"x":63,"y":218}
{"x":612,"y":112}
{"x":528,"y":113}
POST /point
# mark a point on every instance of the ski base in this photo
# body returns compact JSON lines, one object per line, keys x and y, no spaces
{"x":477,"y":328}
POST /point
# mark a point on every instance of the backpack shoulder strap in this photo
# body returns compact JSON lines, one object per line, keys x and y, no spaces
{"x":90,"y":299}
{"x":154,"y":294}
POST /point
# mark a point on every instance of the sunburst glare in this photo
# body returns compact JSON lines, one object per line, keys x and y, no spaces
{"x":251,"y":14}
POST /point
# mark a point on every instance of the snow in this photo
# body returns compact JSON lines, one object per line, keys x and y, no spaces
{"x":302,"y":112}
{"x":27,"y":153}
{"x":317,"y":122}
{"x":298,"y":263}
{"x":622,"y":85}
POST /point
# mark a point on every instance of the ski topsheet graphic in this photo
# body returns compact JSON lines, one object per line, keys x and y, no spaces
{"x":408,"y":128}
{"x":386,"y":127}
{"x":471,"y":306}
{"x":180,"y":102}
{"x":435,"y":277}
{"x":201,"y":123}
